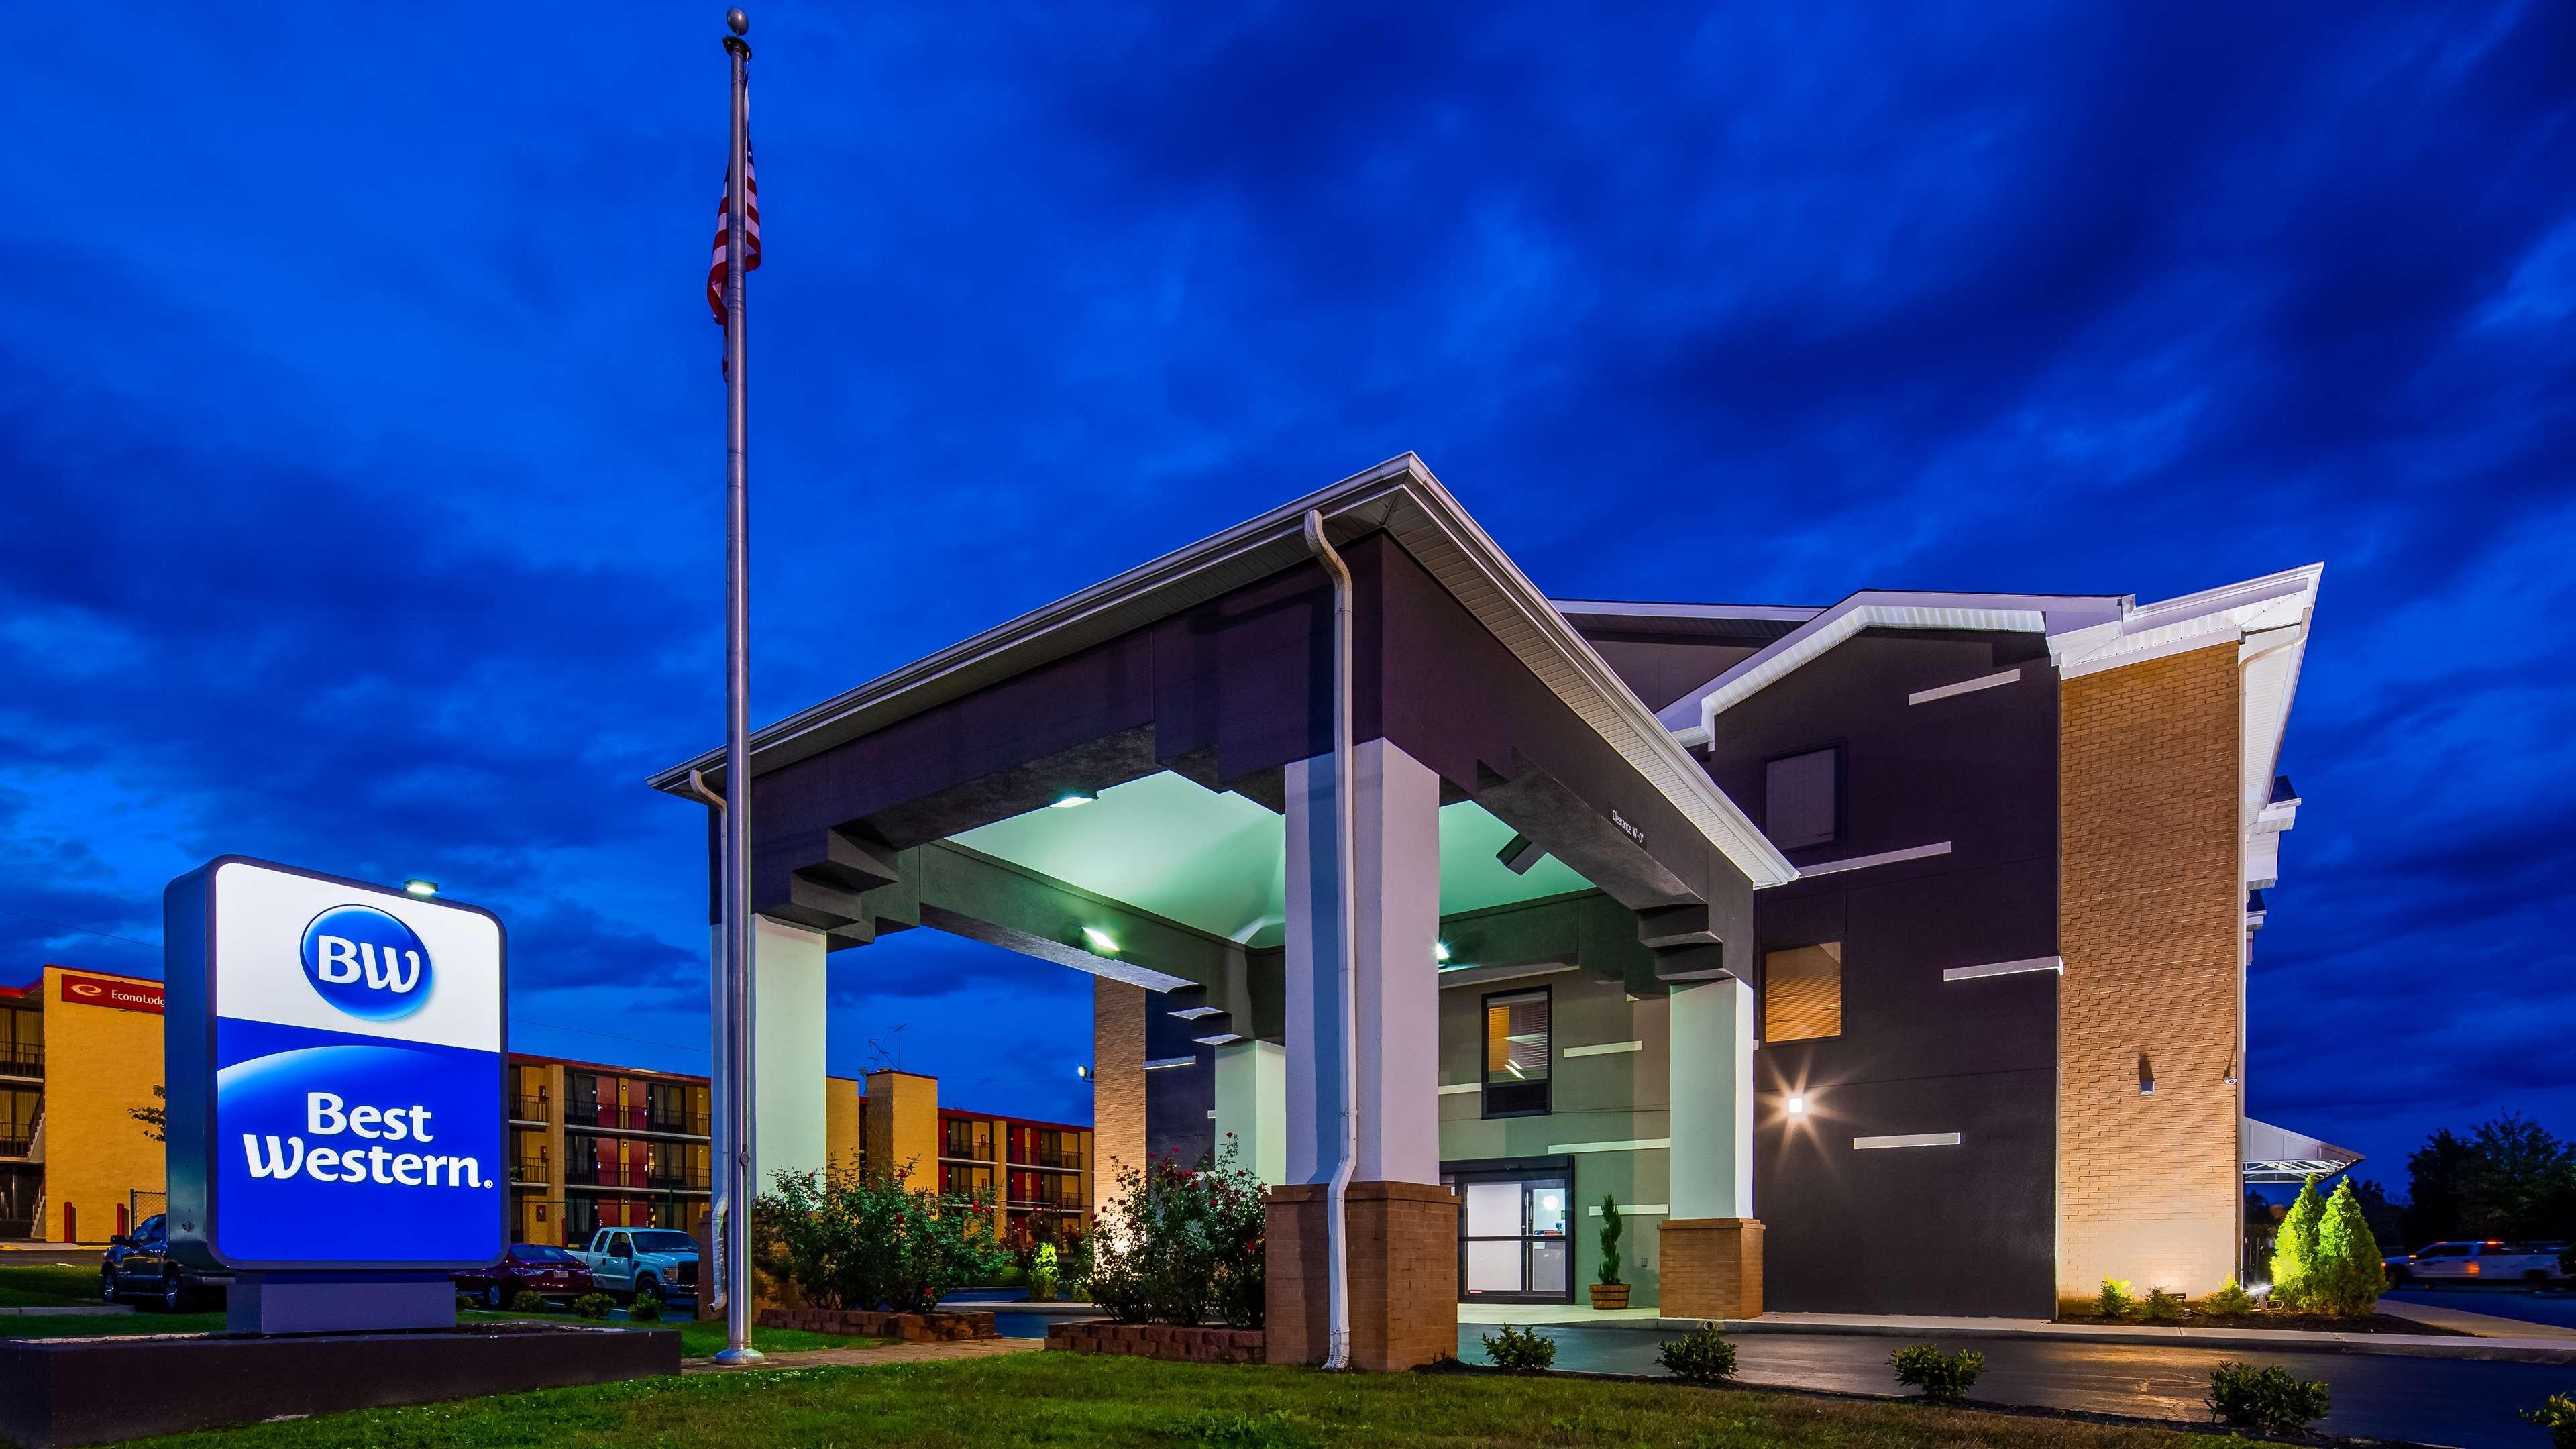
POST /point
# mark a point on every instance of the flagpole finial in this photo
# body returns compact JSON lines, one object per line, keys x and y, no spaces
{"x":739,"y":22}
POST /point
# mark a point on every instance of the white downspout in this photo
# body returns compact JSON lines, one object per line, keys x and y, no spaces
{"x":1337,"y":1250}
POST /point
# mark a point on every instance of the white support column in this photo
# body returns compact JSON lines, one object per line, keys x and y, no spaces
{"x":787,"y":1051}
{"x":1397,"y":892}
{"x":1252,"y":1106}
{"x":1712,"y":1097}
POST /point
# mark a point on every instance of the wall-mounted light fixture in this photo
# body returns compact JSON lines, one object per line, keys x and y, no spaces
{"x":1797,"y":1106}
{"x":1439,"y":950}
{"x":1071,"y":798}
{"x":1101,"y":941}
{"x":1082,"y":1070}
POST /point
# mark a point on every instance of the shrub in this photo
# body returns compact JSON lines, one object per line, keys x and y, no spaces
{"x":2294,"y":1248}
{"x":2114,"y":1302}
{"x":2345,"y":1277}
{"x":2162,"y":1307}
{"x":467,"y":1300}
{"x":1176,"y":1241}
{"x":1944,"y":1378}
{"x":1701,"y":1357}
{"x":851,"y":1240}
{"x":2558,"y":1416}
{"x":1042,"y":1274}
{"x":2567,"y":1261}
{"x":644,"y":1308}
{"x":2231,"y":1301}
{"x":1610,"y":1229}
{"x":593,"y":1305}
{"x":2267,"y":1399}
{"x":1520,"y":1350}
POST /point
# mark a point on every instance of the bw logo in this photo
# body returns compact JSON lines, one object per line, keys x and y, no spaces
{"x":366,"y":963}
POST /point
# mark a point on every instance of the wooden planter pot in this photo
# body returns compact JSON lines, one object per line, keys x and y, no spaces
{"x":1606,"y":1296}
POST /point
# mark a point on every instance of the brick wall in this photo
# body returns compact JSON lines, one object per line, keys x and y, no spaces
{"x":1118,"y":1083}
{"x":2151,"y":910}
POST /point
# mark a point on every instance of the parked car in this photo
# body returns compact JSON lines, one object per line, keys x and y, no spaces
{"x":550,"y":1273}
{"x":138,"y":1265}
{"x":2489,"y":1261}
{"x":659,"y":1261}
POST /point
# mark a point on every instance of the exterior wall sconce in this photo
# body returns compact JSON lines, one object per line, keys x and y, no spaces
{"x":1797,"y":1106}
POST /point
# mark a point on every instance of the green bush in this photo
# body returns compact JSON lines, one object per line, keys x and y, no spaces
{"x":2161,"y":1306}
{"x":1610,"y":1228}
{"x":2346,"y":1276}
{"x":857,"y":1240}
{"x":1702,"y":1357}
{"x":2230,"y":1301}
{"x":2267,"y":1399}
{"x":528,"y":1300}
{"x":1042,"y":1274}
{"x":645,"y":1308}
{"x":2294,"y":1248}
{"x":2558,"y":1416}
{"x":467,"y":1300}
{"x":1520,"y":1350}
{"x":593,"y":1305}
{"x":1175,"y":1242}
{"x":2114,"y":1301}
{"x":1944,"y":1378}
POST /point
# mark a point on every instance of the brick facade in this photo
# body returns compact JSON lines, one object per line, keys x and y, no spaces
{"x":1403,"y":1273}
{"x":899,"y":1327}
{"x":1117,"y":1083}
{"x":1159,"y":1340}
{"x":1712,"y":1267}
{"x":2151,"y":911}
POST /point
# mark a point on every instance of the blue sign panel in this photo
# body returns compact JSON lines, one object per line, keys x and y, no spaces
{"x":337,"y":1054}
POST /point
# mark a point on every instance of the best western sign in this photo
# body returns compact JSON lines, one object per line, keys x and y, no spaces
{"x":336,"y":1054}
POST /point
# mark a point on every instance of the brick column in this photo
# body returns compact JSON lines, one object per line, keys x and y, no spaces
{"x":1712,"y":1267}
{"x":1403,"y":1274}
{"x":1117,"y":1084}
{"x":1710,"y":1248}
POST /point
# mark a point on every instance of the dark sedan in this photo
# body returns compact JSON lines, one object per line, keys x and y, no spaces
{"x":550,"y":1273}
{"x":140,"y":1265}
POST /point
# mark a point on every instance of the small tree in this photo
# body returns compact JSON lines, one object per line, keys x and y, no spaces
{"x":2346,"y":1276}
{"x":1610,"y":1230}
{"x":2294,"y":1251}
{"x":1175,"y":1241}
{"x":850,"y":1240}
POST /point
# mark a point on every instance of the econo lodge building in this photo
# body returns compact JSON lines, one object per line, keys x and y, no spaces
{"x":1880,"y":956}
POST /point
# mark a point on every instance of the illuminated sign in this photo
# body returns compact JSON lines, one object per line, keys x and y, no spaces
{"x":336,"y":1055}
{"x":110,"y":991}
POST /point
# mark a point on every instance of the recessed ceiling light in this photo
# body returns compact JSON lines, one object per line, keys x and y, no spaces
{"x":1100,"y":940}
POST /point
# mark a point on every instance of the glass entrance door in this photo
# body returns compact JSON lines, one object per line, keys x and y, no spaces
{"x":1511,"y":1234}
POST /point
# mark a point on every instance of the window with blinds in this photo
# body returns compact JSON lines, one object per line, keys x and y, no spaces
{"x":1517,"y":1053}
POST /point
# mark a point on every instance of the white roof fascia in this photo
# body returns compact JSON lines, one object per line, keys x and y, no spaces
{"x":1759,"y":613}
{"x":1400,"y":496}
{"x":1875,"y":608}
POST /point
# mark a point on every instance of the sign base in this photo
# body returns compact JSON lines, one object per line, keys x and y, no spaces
{"x":350,"y":1302}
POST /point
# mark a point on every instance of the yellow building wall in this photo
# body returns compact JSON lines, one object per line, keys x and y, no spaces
{"x":101,"y":1064}
{"x":844,"y":1124}
{"x":903,"y":1125}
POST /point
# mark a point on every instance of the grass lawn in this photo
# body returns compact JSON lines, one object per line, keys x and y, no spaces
{"x":46,"y":1285}
{"x":697,"y":1340}
{"x":1067,"y":1399}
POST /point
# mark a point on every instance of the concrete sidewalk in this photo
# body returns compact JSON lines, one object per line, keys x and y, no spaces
{"x":2496,"y":1338}
{"x":2484,"y":1325}
{"x":893,"y":1353}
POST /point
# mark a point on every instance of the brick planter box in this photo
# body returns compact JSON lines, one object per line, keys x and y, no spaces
{"x":905,"y":1327}
{"x":1159,"y":1340}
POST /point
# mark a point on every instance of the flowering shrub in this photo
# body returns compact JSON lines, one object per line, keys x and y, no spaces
{"x":848,"y":1240}
{"x":1176,"y":1243}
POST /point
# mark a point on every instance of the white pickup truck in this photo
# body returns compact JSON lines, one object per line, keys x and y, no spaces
{"x":662,"y":1262}
{"x":2489,"y":1261}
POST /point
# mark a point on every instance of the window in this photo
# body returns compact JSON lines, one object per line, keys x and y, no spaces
{"x":1802,"y":992}
{"x":1802,"y":798}
{"x":1516,"y":1054}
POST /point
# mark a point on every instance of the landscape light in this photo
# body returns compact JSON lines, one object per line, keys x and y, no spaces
{"x":1100,"y":940}
{"x":1797,"y":1106}
{"x":418,"y":887}
{"x":1071,"y":798}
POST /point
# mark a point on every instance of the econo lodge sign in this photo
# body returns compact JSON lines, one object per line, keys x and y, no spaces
{"x":336,"y":1061}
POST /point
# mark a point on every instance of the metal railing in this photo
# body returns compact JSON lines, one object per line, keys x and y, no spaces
{"x":536,"y":1172}
{"x":16,"y":1144}
{"x":1064,"y":1159}
{"x":681,"y":1178}
{"x":531,"y":1109}
{"x":22,"y":1061}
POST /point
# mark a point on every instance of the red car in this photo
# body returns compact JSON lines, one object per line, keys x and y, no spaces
{"x":550,"y":1273}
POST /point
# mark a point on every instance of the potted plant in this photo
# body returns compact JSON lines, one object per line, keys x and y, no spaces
{"x":1609,"y":1292}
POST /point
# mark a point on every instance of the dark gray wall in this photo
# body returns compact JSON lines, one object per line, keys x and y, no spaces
{"x":1177,"y":1099}
{"x":1967,"y":1229}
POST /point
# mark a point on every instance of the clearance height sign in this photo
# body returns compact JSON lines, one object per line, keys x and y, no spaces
{"x":336,"y":1056}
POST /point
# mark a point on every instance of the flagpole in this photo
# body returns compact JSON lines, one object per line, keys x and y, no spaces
{"x":740,"y":1120}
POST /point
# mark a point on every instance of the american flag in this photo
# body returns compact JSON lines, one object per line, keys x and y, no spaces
{"x":750,"y":241}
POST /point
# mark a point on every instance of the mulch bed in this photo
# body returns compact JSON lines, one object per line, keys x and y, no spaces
{"x":2299,"y":1322}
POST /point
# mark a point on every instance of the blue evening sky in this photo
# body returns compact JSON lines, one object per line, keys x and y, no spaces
{"x":361,"y":430}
